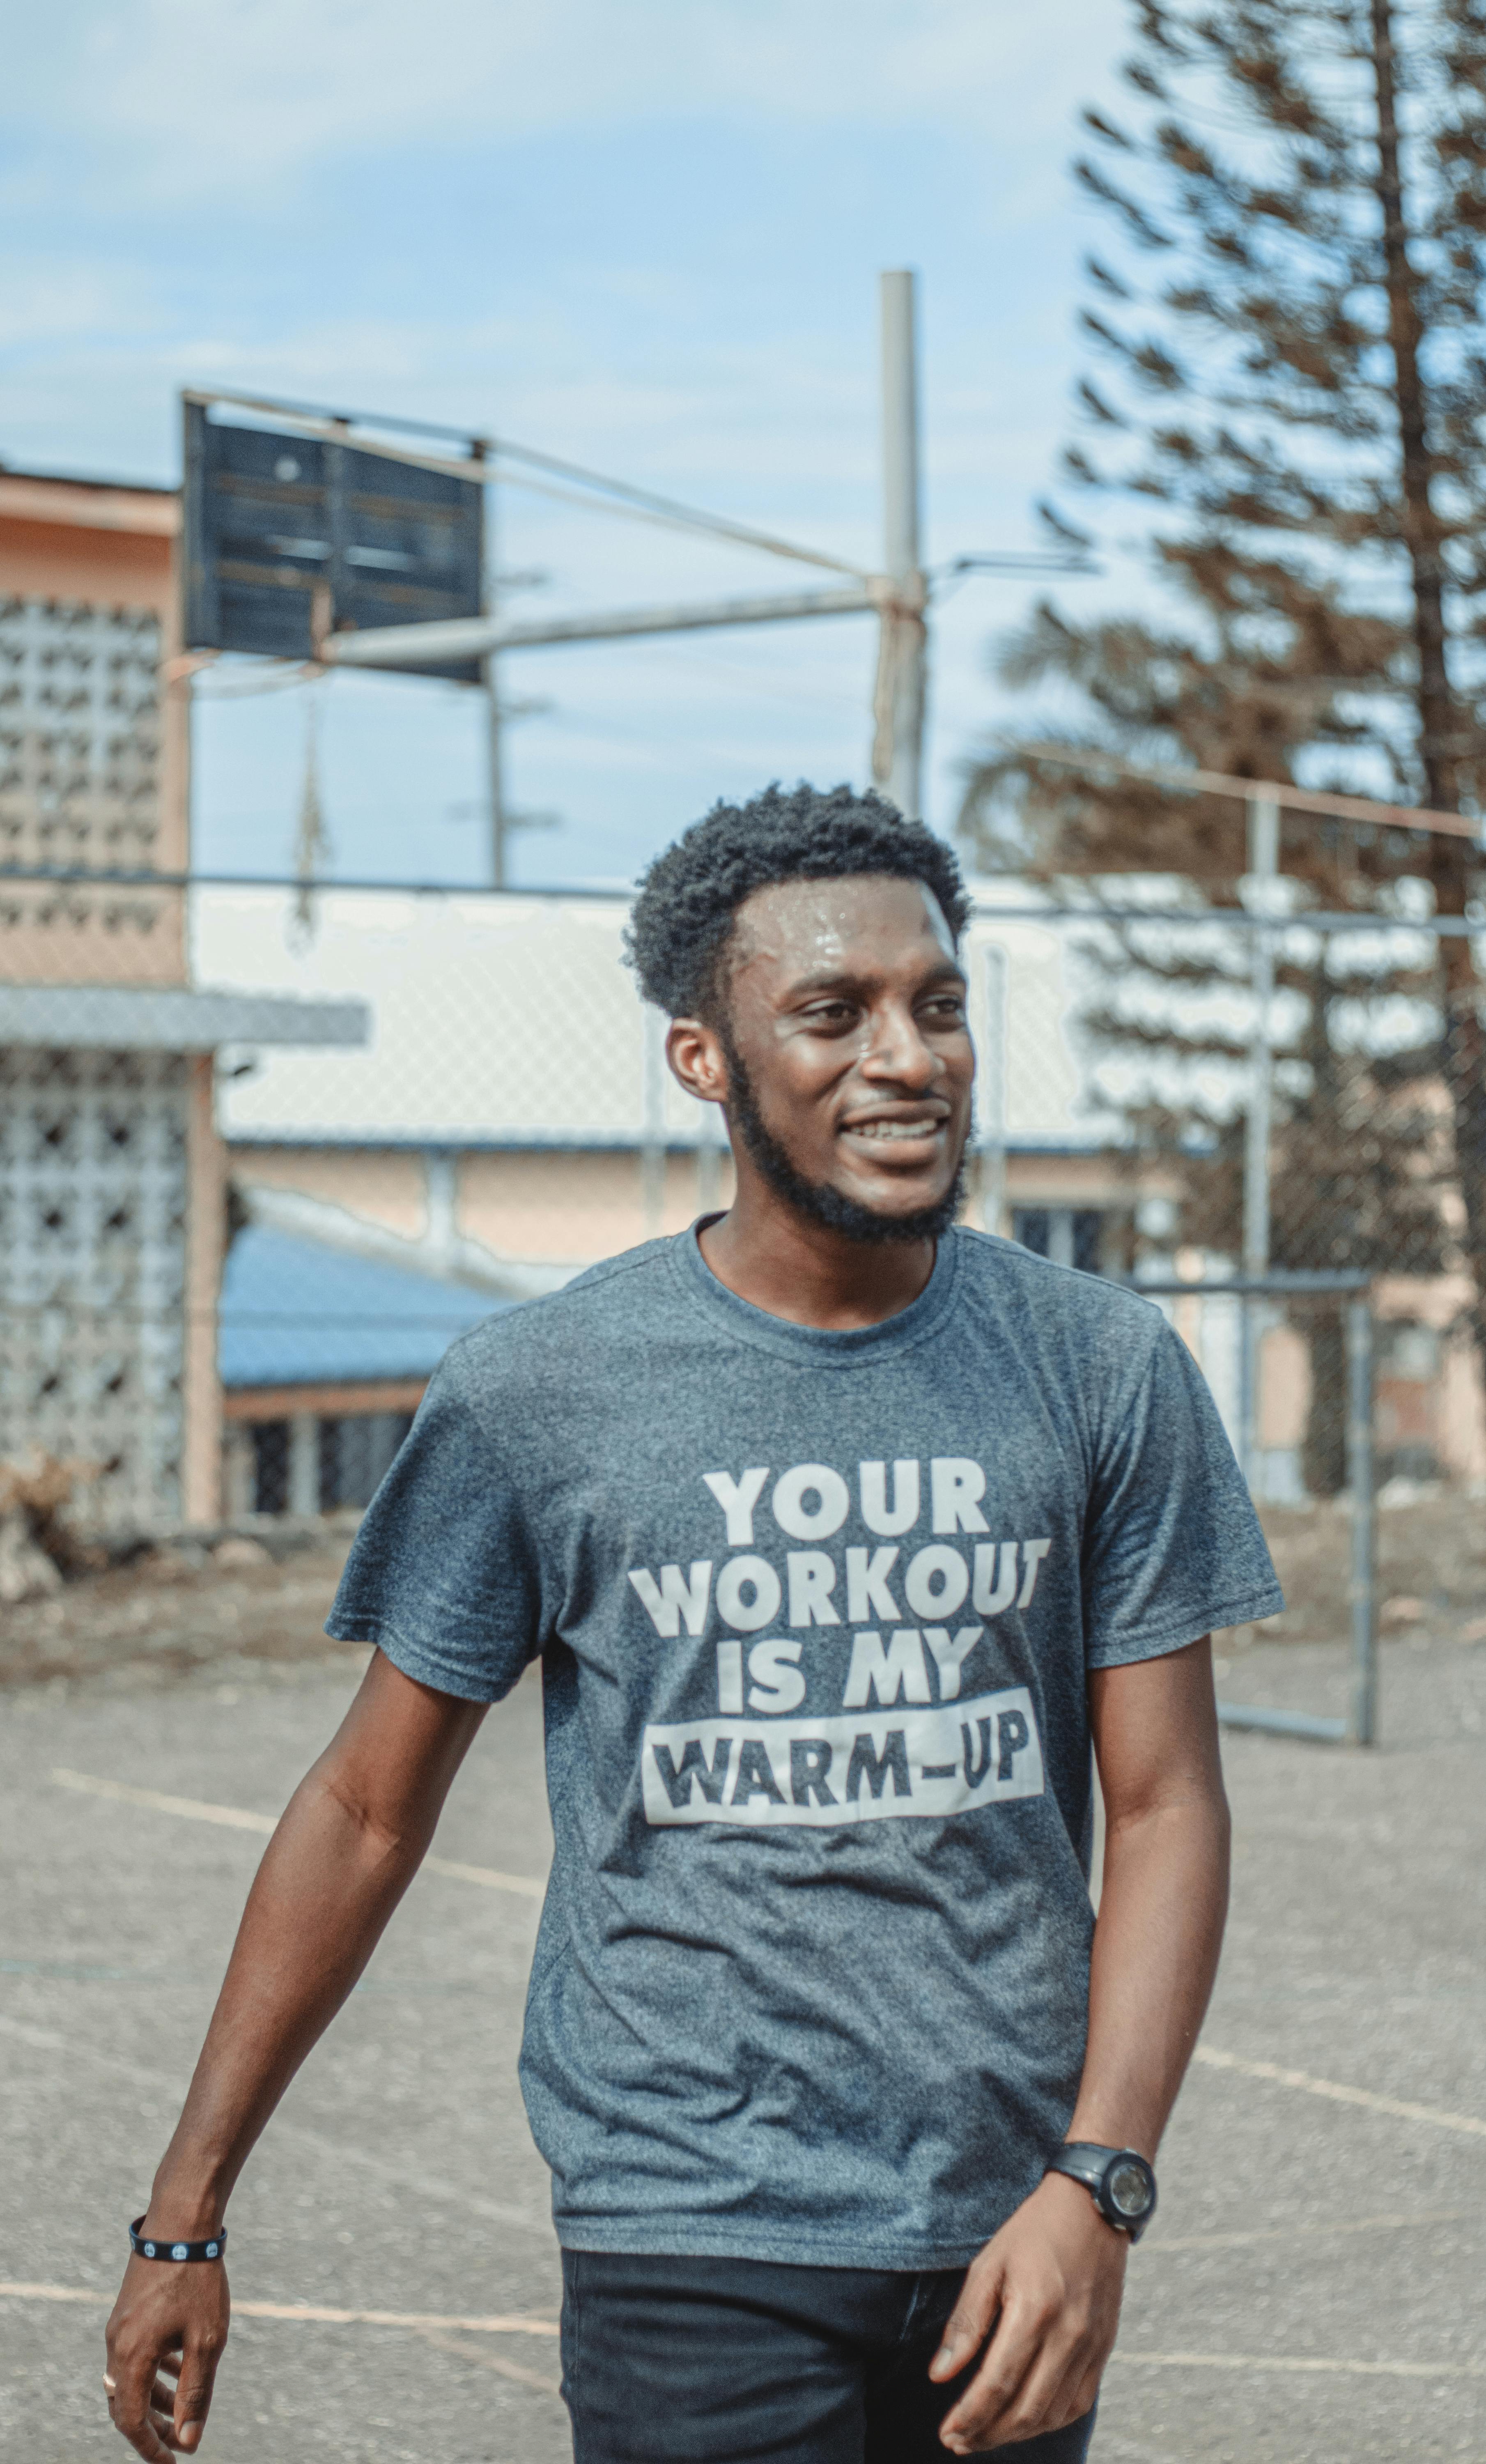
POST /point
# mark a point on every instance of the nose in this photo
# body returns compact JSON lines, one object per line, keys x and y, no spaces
{"x":898,"y":1054}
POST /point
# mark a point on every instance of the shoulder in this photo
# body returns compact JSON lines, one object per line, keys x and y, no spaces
{"x":599,"y":1304}
{"x":1059,"y":1299}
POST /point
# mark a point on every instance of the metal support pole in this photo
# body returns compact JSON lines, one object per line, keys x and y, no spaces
{"x":897,"y":749}
{"x":1263,"y":871}
{"x":652,"y":1153}
{"x":474,"y":637}
{"x":712,"y":1149}
{"x":1359,"y":1727}
{"x":489,"y":672}
{"x":1362,"y":1724}
{"x":993,"y":1089}
{"x":709,"y":1177}
{"x":304,"y":1464}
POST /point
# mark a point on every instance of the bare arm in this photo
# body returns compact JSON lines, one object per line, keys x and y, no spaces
{"x":1049,"y":2284}
{"x":351,"y":1841}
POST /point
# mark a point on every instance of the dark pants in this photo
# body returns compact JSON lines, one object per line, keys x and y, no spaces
{"x":736,"y":2361}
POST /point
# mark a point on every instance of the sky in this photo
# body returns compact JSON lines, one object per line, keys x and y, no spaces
{"x":641,"y":234}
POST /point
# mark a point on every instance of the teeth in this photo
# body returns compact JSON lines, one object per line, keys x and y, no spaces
{"x":894,"y":1129}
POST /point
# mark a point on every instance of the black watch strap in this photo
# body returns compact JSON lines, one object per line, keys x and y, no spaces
{"x":180,"y":2251}
{"x":1120,"y":2181}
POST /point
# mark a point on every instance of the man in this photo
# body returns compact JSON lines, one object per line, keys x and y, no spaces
{"x":840,"y":1532}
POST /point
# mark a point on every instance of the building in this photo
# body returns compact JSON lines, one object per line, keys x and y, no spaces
{"x":112,"y":1181}
{"x":511,"y":1119}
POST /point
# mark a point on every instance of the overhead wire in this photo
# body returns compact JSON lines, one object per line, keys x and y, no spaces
{"x":273,"y":678}
{"x":486,"y":451}
{"x":684,"y":517}
{"x":690,"y":526}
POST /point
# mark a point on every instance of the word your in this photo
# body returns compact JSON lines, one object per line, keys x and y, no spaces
{"x":840,"y":1770}
{"x":957,"y":1486}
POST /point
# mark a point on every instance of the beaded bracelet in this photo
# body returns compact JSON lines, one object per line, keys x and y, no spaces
{"x":177,"y":2250}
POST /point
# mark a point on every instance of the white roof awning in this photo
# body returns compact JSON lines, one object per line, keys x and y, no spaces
{"x":116,"y":1018}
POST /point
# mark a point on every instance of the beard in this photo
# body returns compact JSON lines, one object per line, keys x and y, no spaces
{"x":817,"y":1201}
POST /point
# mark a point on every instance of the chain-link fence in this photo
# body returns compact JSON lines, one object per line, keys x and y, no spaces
{"x":243,"y":1212}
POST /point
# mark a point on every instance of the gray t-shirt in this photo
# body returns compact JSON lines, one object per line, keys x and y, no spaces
{"x":814,"y":1614}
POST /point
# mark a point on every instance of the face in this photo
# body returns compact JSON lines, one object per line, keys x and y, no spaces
{"x":846,"y":1061}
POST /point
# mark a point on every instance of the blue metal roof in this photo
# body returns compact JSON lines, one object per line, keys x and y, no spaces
{"x":295,"y":1313}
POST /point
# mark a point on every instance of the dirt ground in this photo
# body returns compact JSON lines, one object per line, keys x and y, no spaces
{"x":181,"y":1606}
{"x":1431,"y":1569}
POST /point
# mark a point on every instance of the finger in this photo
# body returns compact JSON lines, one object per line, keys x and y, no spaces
{"x":969,"y":2323}
{"x":193,"y":2391}
{"x":137,"y":2426}
{"x":130,"y":2401}
{"x":1080,"y":2390}
{"x":1084,"y":2394}
{"x":1040,"y":2402}
{"x":1061,"y":2385}
{"x":996,"y":2385}
{"x":1089,"y":2347}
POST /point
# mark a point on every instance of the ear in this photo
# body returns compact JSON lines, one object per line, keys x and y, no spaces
{"x":694,"y":1054}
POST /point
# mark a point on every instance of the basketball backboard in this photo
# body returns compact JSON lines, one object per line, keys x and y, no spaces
{"x":290,"y":536}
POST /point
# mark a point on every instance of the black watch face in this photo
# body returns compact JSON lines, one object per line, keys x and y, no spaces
{"x":1128,"y":2188}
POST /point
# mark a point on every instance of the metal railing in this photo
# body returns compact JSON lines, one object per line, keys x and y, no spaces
{"x":1359,"y":1728}
{"x":505,"y":1117}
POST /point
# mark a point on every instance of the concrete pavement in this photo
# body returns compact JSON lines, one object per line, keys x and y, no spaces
{"x":1311,"y":2293}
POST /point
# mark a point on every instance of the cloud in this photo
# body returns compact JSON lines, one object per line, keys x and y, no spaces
{"x":244,"y":97}
{"x":44,"y":299}
{"x":643,"y":233}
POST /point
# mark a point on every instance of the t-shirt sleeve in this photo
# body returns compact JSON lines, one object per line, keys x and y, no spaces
{"x":443,"y":1575}
{"x":1171,"y":1545}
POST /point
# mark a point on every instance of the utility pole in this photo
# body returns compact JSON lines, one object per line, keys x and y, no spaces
{"x":898,"y":595}
{"x":1263,"y":813}
{"x":490,"y":671}
{"x":490,"y":674}
{"x":898,"y":699}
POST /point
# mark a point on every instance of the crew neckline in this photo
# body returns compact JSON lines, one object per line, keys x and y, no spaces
{"x":747,"y":1323}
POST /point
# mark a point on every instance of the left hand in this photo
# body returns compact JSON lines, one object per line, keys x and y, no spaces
{"x":1046,"y":2292}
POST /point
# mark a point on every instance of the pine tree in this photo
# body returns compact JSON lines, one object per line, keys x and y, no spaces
{"x":1292,"y":386}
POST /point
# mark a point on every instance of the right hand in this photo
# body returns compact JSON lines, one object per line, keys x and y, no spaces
{"x":169,"y":2323}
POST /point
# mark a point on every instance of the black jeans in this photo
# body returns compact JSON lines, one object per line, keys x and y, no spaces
{"x":736,"y":2361}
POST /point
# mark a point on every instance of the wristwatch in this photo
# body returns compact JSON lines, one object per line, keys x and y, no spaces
{"x":1121,"y":2183}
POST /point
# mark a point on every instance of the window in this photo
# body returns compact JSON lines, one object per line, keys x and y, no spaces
{"x":311,"y":1466}
{"x":356,"y":1455}
{"x":1071,"y":1236}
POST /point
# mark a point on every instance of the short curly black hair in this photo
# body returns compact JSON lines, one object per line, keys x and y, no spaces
{"x":682,"y":916}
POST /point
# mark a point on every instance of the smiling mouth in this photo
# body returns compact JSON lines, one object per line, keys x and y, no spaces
{"x":888,"y":1133}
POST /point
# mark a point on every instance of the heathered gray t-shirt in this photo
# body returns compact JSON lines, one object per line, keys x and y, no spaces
{"x":814,"y":1614}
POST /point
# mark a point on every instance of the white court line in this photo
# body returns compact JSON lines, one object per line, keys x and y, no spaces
{"x":433,"y":2325}
{"x":1465,"y":2123}
{"x":495,"y":2362}
{"x":314,"y":2314}
{"x":295,"y":2134}
{"x":1312,"y":2233}
{"x":1304,"y":2366}
{"x":237,"y":1817}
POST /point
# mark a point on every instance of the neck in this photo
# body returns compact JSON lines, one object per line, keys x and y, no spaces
{"x":805,"y":1272}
